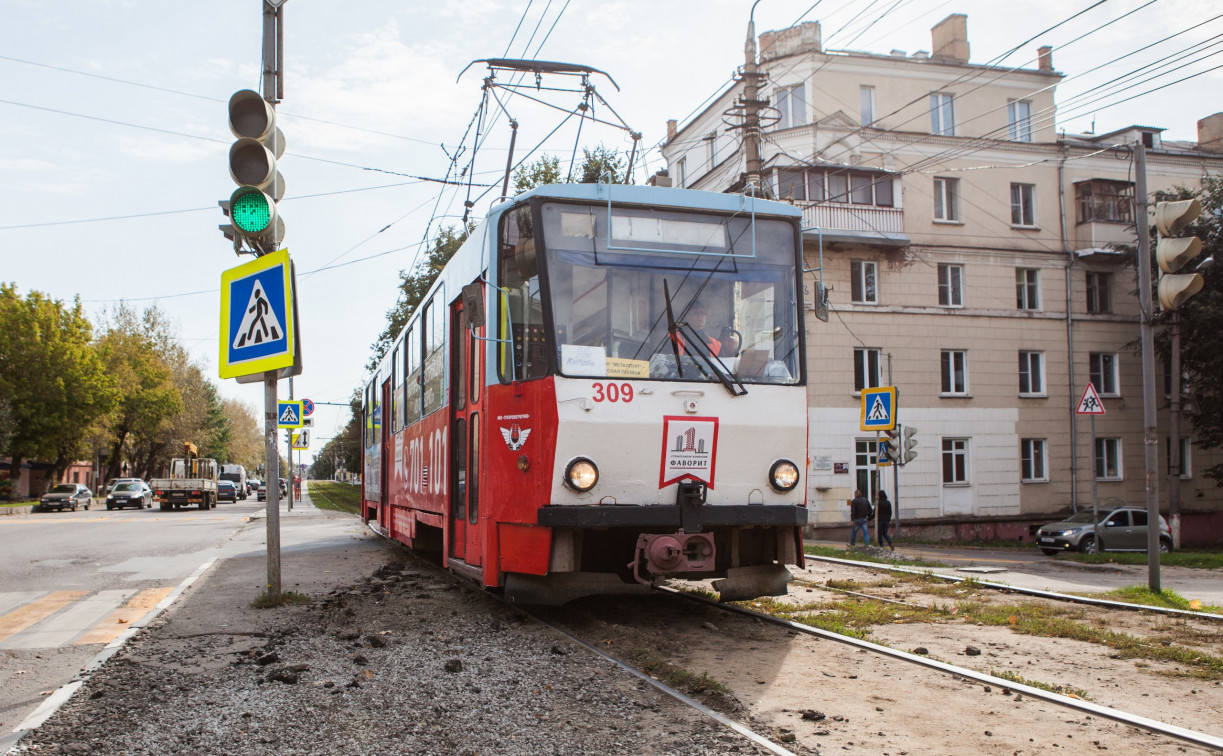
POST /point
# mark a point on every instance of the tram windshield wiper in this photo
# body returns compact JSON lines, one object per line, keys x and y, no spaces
{"x":693,"y":342}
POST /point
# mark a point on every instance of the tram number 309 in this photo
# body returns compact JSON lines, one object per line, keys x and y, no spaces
{"x":613,"y":392}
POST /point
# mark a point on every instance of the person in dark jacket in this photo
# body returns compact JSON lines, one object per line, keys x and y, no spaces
{"x":859,"y":514}
{"x":884,"y":513}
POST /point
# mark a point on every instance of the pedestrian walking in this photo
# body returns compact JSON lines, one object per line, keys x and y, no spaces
{"x":884,"y":512}
{"x":859,"y":514}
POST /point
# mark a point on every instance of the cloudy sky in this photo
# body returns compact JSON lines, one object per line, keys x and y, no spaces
{"x":113,"y":134}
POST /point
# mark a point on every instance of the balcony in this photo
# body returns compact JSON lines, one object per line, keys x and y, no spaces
{"x":866,"y":224}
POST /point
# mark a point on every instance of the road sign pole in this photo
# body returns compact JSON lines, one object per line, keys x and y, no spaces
{"x":272,"y":481}
{"x":290,"y":456}
{"x":1146,"y":314}
{"x":1095,"y":488}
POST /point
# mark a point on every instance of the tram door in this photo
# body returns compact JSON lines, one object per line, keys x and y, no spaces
{"x":466,"y":384}
{"x":384,"y":436}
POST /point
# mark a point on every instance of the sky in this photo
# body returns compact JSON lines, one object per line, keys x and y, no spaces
{"x":114,"y":137}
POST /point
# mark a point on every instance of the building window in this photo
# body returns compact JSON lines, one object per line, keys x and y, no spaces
{"x":681,"y":172}
{"x":954,"y":372}
{"x":1031,"y":374}
{"x":866,"y":472}
{"x":1019,"y":120}
{"x":839,"y":185}
{"x":1168,"y":379}
{"x":1023,"y":204}
{"x":942,"y":114}
{"x":1186,"y":462}
{"x":1107,"y":460}
{"x":792,"y":104}
{"x":711,"y":149}
{"x":947,"y":199}
{"x":866,"y":104}
{"x":1027,"y":288}
{"x":862,"y":288}
{"x":866,"y":368}
{"x":950,"y":285}
{"x":1032,"y":460}
{"x":955,"y":461}
{"x":1103,"y":201}
{"x":1103,"y":370}
{"x":791,"y":185}
{"x":1099,"y":288}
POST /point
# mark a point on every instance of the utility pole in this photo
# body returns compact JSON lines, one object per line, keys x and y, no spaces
{"x":1174,"y":436}
{"x":273,"y":42}
{"x":1150,"y":439}
{"x":751,"y":107}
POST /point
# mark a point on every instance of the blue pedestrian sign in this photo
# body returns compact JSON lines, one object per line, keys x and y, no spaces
{"x":879,"y":409}
{"x":289,"y":414}
{"x":257,"y":316}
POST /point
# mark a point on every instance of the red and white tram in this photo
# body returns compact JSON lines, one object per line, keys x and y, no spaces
{"x":604,"y":387}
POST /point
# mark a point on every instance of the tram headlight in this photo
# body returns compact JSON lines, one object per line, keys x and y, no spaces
{"x":581,"y":474}
{"x":783,"y":475}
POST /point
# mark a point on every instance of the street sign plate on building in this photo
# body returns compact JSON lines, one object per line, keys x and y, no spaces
{"x":879,"y":408}
{"x":257,"y":316}
{"x":1090,"y":404}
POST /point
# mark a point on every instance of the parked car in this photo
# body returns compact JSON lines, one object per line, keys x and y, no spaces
{"x":227,"y":490}
{"x":252,"y":485}
{"x":130,"y":493}
{"x":66,"y":496}
{"x":262,"y":494}
{"x":1122,"y":529}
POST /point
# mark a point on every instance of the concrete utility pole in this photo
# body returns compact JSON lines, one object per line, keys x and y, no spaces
{"x":273,"y":43}
{"x":1150,"y":438}
{"x":751,"y":106}
{"x":1175,"y":463}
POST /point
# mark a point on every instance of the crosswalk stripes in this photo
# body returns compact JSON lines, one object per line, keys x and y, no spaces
{"x":52,"y":619}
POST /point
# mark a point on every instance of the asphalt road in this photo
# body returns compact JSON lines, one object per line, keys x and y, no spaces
{"x":75,"y":581}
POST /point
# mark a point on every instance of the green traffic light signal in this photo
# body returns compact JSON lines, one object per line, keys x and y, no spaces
{"x":251,"y":210}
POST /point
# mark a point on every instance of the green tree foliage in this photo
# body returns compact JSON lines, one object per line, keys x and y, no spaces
{"x":414,"y":285}
{"x":1201,"y":321}
{"x":51,"y":375}
{"x":148,"y":400}
{"x":595,"y":163}
{"x":246,"y":445}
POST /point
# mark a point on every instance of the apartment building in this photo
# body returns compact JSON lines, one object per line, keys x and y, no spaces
{"x":976,"y":259}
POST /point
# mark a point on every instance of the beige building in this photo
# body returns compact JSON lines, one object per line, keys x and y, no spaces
{"x":971,"y":255}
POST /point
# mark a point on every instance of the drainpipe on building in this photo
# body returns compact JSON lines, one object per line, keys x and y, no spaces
{"x":1074,"y":446}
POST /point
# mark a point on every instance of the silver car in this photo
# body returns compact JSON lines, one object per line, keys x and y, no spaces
{"x":1123,"y":529}
{"x":65,"y":496}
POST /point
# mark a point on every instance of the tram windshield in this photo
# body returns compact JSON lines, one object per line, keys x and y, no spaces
{"x":667,"y":294}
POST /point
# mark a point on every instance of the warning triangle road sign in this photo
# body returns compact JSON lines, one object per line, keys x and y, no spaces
{"x":879,"y":410}
{"x":288,"y":416}
{"x":1090,"y":404}
{"x":259,"y":322}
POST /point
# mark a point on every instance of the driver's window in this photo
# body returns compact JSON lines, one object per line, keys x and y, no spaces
{"x":519,"y":299}
{"x":1119,"y":520}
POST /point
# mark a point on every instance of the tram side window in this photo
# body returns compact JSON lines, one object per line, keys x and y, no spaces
{"x":372,"y":421}
{"x":411,"y":369}
{"x":396,"y":390}
{"x":433,"y":329}
{"x":521,"y":306}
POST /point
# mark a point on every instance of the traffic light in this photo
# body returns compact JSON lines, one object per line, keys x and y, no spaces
{"x":1173,"y":251}
{"x":907,"y":454}
{"x":889,"y":447}
{"x":252,"y":165}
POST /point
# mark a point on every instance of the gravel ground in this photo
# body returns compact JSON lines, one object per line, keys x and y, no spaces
{"x":406,"y":661}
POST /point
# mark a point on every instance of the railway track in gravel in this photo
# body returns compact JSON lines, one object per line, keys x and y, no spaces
{"x":773,"y":734}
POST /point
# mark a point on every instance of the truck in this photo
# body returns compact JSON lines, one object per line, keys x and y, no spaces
{"x":192,"y":481}
{"x":237,"y":474}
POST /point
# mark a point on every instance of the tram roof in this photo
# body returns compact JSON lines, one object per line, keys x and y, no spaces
{"x":688,"y":199}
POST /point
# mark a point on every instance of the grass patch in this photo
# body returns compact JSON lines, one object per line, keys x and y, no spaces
{"x":849,"y":617}
{"x":865,"y":556}
{"x":27,"y":503}
{"x":1167,"y":599}
{"x":286,"y":598}
{"x":648,"y":660}
{"x":1202,"y":560}
{"x":1032,"y":619}
{"x":1064,"y":690}
{"x":341,"y":497}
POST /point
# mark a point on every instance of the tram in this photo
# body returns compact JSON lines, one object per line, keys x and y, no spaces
{"x":604,"y":388}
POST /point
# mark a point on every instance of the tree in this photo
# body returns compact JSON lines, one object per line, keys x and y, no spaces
{"x":1201,"y":322}
{"x":147,"y":399}
{"x":52,"y":376}
{"x":246,"y":446}
{"x":547,"y":170}
{"x":414,"y":285}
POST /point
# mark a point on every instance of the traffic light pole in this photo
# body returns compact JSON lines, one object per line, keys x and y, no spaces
{"x":1150,"y":438}
{"x":272,"y":481}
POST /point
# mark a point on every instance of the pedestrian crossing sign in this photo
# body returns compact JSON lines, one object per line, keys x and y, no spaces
{"x":301,"y":439}
{"x":878,"y":408}
{"x":257,"y":316}
{"x":289,"y":414}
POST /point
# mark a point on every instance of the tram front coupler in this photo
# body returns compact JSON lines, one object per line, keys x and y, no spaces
{"x":673,"y":553}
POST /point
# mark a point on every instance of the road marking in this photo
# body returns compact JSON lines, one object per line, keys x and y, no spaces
{"x":125,"y":616}
{"x":19,"y":619}
{"x":68,"y":623}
